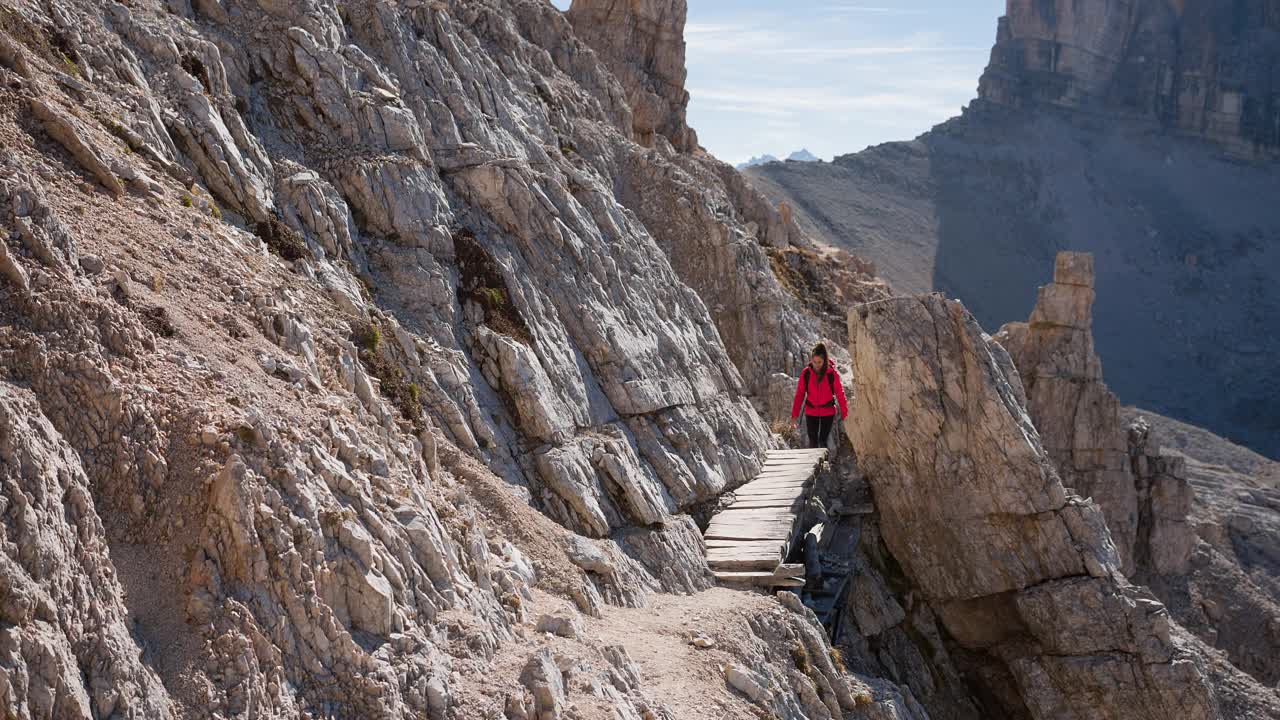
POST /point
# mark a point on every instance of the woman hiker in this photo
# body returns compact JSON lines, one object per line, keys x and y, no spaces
{"x":819,"y":389}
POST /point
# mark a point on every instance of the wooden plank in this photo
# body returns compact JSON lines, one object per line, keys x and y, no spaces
{"x":746,"y":516}
{"x":779,"y":462}
{"x":754,"y":515}
{"x":782,"y":576}
{"x":789,"y":503}
{"x":759,"y":563}
{"x":746,"y":545}
{"x":739,"y":578}
{"x":751,"y":531}
{"x":789,"y":482}
{"x":800,"y":472}
{"x":774,"y":474}
{"x":782,"y":472}
{"x":780,"y":477}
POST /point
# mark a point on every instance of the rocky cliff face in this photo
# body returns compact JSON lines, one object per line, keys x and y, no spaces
{"x":1207,"y":69}
{"x":1077,"y":417}
{"x":1145,"y":498}
{"x":1023,"y":575}
{"x":642,"y":43}
{"x":1166,"y":538}
{"x":305,"y":306}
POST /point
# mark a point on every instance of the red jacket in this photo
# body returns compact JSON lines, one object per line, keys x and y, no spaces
{"x":818,"y":401}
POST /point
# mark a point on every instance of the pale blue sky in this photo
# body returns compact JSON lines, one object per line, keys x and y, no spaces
{"x":831,"y":75}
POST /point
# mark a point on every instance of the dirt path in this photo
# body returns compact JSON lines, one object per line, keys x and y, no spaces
{"x":687,"y":679}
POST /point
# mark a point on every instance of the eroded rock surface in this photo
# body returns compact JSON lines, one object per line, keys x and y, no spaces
{"x":1203,"y":68}
{"x":643,"y":45}
{"x":1077,"y":417}
{"x":1023,"y":576}
{"x":330,"y":310}
{"x":66,"y":650}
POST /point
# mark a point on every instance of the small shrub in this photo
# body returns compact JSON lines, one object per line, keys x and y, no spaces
{"x":282,"y":239}
{"x":70,"y":65}
{"x":186,"y":201}
{"x":482,"y":282}
{"x":156,"y":319}
{"x":214,"y":211}
{"x":405,"y":396}
{"x":837,"y":659}
{"x":800,"y":656}
{"x":369,"y":338}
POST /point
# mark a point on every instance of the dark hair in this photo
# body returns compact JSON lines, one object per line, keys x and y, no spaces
{"x":820,"y":350}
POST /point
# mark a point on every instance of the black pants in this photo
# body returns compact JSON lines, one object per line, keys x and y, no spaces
{"x":819,"y":429}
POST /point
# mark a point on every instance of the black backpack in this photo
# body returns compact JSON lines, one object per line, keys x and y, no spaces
{"x":831,"y":383}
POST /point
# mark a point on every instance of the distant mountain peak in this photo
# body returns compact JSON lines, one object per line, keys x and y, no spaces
{"x":757,"y":160}
{"x":801,"y":155}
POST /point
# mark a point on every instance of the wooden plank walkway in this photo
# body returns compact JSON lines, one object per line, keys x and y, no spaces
{"x":749,"y":541}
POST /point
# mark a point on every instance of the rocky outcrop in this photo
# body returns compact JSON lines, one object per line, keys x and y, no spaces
{"x":1206,"y":69}
{"x":1023,"y":575}
{"x":642,"y":42}
{"x":66,"y":650}
{"x":1145,"y":498}
{"x":1165,"y":498}
{"x":1077,"y":417}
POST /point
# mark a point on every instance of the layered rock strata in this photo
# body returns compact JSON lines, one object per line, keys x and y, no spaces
{"x":1205,"y":69}
{"x":1023,"y":575}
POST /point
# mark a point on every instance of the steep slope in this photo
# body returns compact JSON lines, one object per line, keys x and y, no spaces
{"x":1142,"y":132}
{"x":304,"y":307}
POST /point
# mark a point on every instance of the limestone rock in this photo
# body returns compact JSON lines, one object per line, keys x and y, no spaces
{"x":64,"y":130}
{"x":543,"y":678}
{"x":1005,"y":554}
{"x":565,"y":624}
{"x":649,"y":62}
{"x":1077,"y":417}
{"x":1185,"y":69}
{"x":1165,"y":500}
{"x":67,"y":647}
{"x":1146,"y":499}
